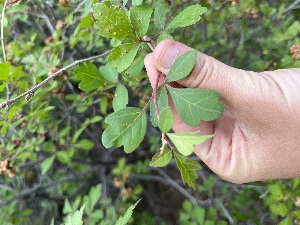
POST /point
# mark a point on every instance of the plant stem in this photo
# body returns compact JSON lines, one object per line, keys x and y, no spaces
{"x":154,"y":94}
{"x":30,"y":93}
{"x":2,"y":31}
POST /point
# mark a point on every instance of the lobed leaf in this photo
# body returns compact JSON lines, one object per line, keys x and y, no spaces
{"x":123,"y":220}
{"x":188,"y":169}
{"x":140,"y":19}
{"x":194,"y":104}
{"x":90,"y":76}
{"x":165,"y":120}
{"x":182,"y":66}
{"x":161,"y":159}
{"x":127,"y":127}
{"x":121,"y":98}
{"x":122,"y":56}
{"x":185,"y":142}
{"x":187,"y":17}
{"x":112,"y":22}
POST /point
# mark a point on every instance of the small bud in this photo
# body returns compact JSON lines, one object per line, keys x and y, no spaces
{"x":29,"y":96}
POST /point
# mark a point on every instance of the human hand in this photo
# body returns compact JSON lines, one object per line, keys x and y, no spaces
{"x":258,"y":137}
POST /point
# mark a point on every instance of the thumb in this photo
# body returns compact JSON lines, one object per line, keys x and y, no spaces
{"x":235,"y":86}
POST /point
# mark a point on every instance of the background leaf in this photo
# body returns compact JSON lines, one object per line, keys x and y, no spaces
{"x":140,"y":19}
{"x":185,"y":142}
{"x":90,"y":76}
{"x":47,"y":163}
{"x":194,"y":105}
{"x":123,"y":220}
{"x":122,"y":56}
{"x":182,"y":66}
{"x":188,"y":169}
{"x":112,"y":22}
{"x":187,"y":17}
{"x":161,"y":159}
{"x":4,"y":68}
{"x":121,"y":97}
{"x":126,"y":127}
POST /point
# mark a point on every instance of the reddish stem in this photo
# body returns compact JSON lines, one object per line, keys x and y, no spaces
{"x":154,"y":94}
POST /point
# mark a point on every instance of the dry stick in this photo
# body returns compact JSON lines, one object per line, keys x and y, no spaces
{"x":2,"y":31}
{"x":29,"y":94}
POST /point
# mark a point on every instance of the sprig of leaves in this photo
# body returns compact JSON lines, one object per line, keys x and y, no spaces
{"x":127,"y":126}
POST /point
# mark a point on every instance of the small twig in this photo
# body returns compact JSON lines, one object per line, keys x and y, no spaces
{"x":28,"y":94}
{"x":292,"y":6}
{"x":2,"y":31}
{"x":225,"y":211}
{"x":154,"y":94}
{"x":183,"y":191}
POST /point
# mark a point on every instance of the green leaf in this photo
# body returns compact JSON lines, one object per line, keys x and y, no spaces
{"x":112,"y":22}
{"x":109,"y":73}
{"x":47,"y":163}
{"x":126,"y":127}
{"x":4,"y":71}
{"x":287,"y":221}
{"x":279,"y":209}
{"x":140,"y":19}
{"x":182,"y":66}
{"x":121,"y":97}
{"x":185,"y":142}
{"x":160,"y":12}
{"x":166,"y":120}
{"x":187,"y":17}
{"x":161,"y":159}
{"x":137,"y":66}
{"x":162,"y":100}
{"x":122,"y":56}
{"x":137,"y":2}
{"x":85,"y":144}
{"x":194,"y":104}
{"x":188,"y":169}
{"x":76,"y":217}
{"x":67,"y":207}
{"x":123,"y":220}
{"x":94,"y":196}
{"x":63,"y":157}
{"x":90,"y":76}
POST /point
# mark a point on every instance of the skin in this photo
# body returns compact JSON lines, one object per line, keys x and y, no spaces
{"x":258,"y":137}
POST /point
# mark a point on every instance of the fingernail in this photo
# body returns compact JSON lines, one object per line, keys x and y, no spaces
{"x":168,"y":55}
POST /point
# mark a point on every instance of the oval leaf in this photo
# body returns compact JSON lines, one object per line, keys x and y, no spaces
{"x":187,"y":17}
{"x":161,"y":159}
{"x":109,"y":73}
{"x":122,"y":56}
{"x":121,"y":98}
{"x":166,"y":120}
{"x":140,"y":19}
{"x":182,"y":66}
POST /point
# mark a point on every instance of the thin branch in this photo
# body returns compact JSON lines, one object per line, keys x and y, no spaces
{"x":30,"y":93}
{"x":2,"y":31}
{"x":292,"y":6}
{"x":225,"y":211}
{"x":181,"y":189}
{"x":34,"y":190}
